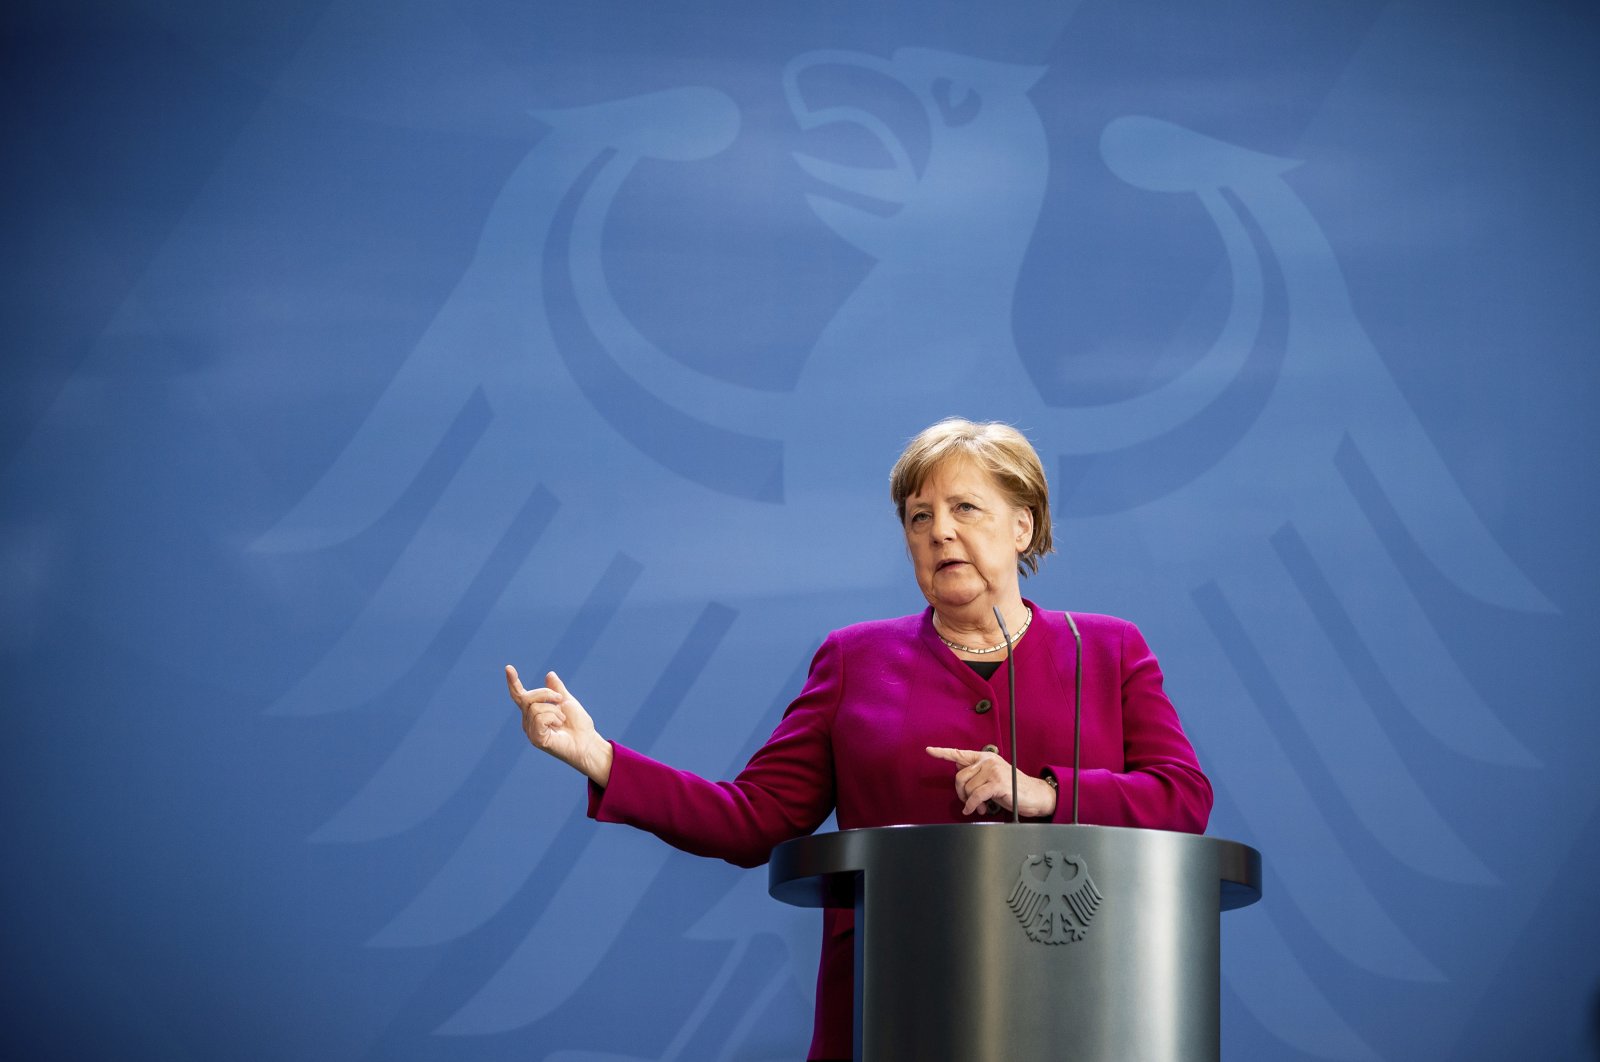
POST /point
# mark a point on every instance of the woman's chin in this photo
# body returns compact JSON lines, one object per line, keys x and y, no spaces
{"x":956,"y":598}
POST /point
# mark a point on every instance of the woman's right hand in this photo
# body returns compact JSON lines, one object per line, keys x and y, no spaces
{"x":555,"y":722}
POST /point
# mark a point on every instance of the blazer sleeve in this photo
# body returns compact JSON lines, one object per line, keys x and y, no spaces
{"x":785,"y":791}
{"x":1160,"y":785}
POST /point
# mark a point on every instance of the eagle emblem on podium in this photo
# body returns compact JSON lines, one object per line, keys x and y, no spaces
{"x":1057,"y":906}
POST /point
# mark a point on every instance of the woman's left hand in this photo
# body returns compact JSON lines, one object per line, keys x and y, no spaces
{"x":984,"y":777}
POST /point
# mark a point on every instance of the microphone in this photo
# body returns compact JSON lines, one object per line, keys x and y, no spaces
{"x":1077,"y":715}
{"x":1011,"y":682}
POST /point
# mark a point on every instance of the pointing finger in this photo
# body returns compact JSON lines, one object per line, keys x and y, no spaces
{"x":958,"y":756}
{"x":514,"y":684}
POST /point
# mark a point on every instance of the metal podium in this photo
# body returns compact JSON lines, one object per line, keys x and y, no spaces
{"x":1011,"y":941}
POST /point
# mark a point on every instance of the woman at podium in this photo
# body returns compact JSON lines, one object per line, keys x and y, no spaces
{"x":907,"y":720}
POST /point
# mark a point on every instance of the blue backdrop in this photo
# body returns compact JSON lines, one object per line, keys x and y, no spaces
{"x":356,"y":348}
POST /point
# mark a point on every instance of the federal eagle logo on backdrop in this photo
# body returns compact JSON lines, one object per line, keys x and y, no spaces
{"x":1285,"y":433}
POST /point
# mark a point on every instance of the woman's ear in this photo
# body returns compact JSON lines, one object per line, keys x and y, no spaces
{"x":1024,"y":529}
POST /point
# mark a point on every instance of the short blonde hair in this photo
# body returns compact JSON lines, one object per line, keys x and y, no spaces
{"x":998,"y":449}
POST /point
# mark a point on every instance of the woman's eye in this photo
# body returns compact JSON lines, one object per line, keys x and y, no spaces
{"x":919,"y":518}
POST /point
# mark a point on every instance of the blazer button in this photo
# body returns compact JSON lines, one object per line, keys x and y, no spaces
{"x":991,"y":748}
{"x":982,"y":706}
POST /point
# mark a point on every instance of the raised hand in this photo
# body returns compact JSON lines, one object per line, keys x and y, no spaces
{"x":556,"y":723}
{"x":985,"y":778}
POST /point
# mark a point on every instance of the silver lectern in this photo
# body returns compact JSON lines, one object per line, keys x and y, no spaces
{"x":1014,"y":941}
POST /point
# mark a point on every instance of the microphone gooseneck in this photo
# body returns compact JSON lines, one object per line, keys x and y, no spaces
{"x":1077,"y":715}
{"x":1011,"y":683}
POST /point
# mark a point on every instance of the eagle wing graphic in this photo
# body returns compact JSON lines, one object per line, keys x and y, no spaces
{"x":1294,"y":481}
{"x":1029,"y":897}
{"x":488,"y":575}
{"x":1081,"y":895}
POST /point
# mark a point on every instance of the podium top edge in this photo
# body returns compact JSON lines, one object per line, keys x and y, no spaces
{"x":822,"y":869}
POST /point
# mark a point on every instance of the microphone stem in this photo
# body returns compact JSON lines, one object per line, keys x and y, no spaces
{"x":1011,"y":683}
{"x":1077,"y":715}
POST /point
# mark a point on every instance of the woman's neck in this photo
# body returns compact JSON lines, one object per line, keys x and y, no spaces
{"x":974,"y":625}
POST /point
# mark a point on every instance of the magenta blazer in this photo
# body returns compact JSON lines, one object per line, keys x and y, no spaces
{"x":853,"y":742}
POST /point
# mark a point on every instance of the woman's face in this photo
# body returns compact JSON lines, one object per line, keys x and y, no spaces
{"x":965,"y":536}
